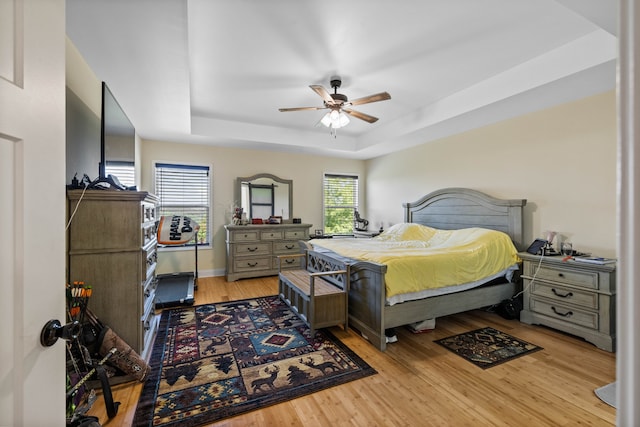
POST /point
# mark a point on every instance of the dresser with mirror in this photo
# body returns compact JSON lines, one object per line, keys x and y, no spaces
{"x":253,"y":248}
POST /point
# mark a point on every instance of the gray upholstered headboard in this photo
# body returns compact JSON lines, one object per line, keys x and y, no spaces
{"x":454,"y":208}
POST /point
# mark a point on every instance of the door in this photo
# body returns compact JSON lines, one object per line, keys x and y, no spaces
{"x":32,"y":210}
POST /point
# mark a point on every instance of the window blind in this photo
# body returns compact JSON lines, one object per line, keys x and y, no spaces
{"x":185,"y":190}
{"x":124,"y":171}
{"x":340,"y":200}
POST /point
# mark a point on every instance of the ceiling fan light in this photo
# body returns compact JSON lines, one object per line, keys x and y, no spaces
{"x":344,"y":119}
{"x":326,"y":120}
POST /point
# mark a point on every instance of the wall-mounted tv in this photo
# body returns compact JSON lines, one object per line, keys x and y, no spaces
{"x":83,"y":140}
{"x":118,"y":140}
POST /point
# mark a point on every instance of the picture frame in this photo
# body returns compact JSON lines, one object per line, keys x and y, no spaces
{"x":275,"y":220}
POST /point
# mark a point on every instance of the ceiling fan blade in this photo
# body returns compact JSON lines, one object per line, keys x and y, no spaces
{"x":320,"y":90}
{"x":301,"y":109}
{"x":382,"y":96}
{"x":361,"y":116}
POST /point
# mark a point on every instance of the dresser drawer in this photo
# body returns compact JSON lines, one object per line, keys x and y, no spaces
{"x":285,"y":263}
{"x":286,"y":248}
{"x":149,"y":325}
{"x":244,"y":236}
{"x":149,"y":291}
{"x":271,"y":235}
{"x":564,"y":295}
{"x":252,"y":264}
{"x":150,"y":257}
{"x":583,"y":278}
{"x":148,"y":212}
{"x":149,"y":232}
{"x":565,"y":313}
{"x":295,"y":234}
{"x":257,"y":248}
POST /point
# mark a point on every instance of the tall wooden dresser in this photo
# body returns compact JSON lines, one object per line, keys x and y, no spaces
{"x":112,"y":245}
{"x":252,"y":250}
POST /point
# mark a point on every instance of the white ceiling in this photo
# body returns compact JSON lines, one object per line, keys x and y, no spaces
{"x":216,"y":71}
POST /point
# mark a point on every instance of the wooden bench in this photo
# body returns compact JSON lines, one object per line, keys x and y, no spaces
{"x":319,"y":292}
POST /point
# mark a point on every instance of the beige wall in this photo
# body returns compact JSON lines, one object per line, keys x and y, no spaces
{"x":562,"y":160}
{"x":228,"y":163}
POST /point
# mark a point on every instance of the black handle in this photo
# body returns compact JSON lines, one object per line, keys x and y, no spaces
{"x":570,"y":294}
{"x":252,"y":249}
{"x":252,"y":264}
{"x":290,"y":247}
{"x":568,"y":313}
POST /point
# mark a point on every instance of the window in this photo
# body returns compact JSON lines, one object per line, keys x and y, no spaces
{"x":184,"y":190}
{"x":261,"y":200}
{"x":340,"y":201}
{"x":124,"y":171}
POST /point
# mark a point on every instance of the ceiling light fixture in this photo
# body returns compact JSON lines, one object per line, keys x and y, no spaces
{"x":337,"y":116}
{"x":335,"y":119}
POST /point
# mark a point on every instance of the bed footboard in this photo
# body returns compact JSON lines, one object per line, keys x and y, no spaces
{"x":367,"y":301}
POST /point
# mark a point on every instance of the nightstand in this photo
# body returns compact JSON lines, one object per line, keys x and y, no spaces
{"x":573,"y":297}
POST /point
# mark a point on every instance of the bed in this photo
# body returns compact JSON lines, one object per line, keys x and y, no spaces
{"x":370,"y":310}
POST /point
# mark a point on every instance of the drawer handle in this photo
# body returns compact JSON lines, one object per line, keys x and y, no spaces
{"x":570,"y":294}
{"x":568,"y":313}
{"x":290,"y":247}
{"x":252,"y":264}
{"x":252,"y":249}
{"x":560,"y":275}
{"x":289,"y":261}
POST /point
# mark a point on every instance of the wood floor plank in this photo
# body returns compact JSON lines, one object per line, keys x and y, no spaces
{"x":421,"y":383}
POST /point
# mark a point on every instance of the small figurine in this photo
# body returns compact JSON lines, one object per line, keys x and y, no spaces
{"x":360,"y":224}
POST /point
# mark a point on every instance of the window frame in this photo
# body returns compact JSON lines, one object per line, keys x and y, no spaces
{"x":352,"y":207}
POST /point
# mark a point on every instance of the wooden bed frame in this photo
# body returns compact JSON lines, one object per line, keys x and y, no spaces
{"x":450,"y":208}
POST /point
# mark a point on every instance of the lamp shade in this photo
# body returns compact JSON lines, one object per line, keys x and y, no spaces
{"x":335,"y":119}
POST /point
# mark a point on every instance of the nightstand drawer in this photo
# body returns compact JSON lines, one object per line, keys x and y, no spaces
{"x":565,"y":313}
{"x":564,"y":295}
{"x":586,"y":279}
{"x":257,"y":248}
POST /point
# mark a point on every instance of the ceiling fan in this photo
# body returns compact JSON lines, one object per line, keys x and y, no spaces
{"x":336,"y":103}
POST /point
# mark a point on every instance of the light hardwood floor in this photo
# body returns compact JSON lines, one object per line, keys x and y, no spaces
{"x":419,"y":383}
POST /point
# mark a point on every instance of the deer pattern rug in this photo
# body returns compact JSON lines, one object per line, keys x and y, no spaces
{"x":215,"y":361}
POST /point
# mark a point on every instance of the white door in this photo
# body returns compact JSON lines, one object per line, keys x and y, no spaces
{"x":32,"y":210}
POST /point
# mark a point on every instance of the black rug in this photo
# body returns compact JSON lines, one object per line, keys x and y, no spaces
{"x":215,"y":361}
{"x":487,"y":347}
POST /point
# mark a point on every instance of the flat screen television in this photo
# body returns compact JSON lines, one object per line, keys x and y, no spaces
{"x":118,"y":140}
{"x":83,"y":152}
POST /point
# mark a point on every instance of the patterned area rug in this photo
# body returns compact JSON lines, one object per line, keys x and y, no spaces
{"x":487,"y":347}
{"x":219,"y":360}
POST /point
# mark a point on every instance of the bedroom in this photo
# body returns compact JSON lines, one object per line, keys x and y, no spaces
{"x":552,"y":144}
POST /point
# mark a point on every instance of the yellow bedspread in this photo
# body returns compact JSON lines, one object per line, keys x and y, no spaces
{"x":420,"y":257}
